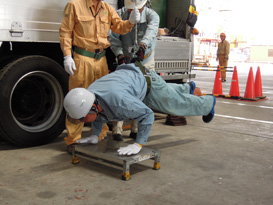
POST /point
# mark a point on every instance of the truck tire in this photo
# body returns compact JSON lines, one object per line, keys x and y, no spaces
{"x":31,"y":100}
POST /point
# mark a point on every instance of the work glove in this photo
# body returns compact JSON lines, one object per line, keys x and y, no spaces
{"x":130,"y":149}
{"x":121,"y":59}
{"x":69,"y":65}
{"x":93,"y":139}
{"x":141,"y":53}
{"x":134,"y":16}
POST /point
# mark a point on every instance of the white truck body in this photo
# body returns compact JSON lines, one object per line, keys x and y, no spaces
{"x":32,"y":20}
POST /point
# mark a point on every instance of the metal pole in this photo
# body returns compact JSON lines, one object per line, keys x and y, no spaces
{"x":136,"y":43}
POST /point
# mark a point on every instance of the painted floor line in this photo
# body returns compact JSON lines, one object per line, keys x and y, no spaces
{"x":242,"y":104}
{"x":246,"y":119}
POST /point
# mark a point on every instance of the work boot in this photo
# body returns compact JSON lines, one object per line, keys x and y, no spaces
{"x":192,"y":87}
{"x":175,"y":120}
{"x":117,"y":137}
{"x":209,"y":117}
{"x":133,"y":135}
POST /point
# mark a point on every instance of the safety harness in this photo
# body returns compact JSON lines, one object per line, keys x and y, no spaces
{"x":97,"y":55}
{"x":147,"y":77}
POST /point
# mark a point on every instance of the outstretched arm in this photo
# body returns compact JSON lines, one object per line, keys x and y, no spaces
{"x":152,"y":28}
{"x":133,"y":108}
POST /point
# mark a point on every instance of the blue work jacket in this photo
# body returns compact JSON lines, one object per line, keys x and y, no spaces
{"x":120,"y":94}
{"x":147,"y":30}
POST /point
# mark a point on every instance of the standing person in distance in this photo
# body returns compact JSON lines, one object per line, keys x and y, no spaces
{"x":222,"y":55}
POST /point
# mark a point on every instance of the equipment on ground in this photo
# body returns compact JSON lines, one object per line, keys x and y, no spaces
{"x":106,"y":151}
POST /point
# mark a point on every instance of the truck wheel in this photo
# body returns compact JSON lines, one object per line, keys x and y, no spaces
{"x":31,"y":100}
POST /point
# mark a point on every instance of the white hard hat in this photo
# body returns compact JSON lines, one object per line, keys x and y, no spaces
{"x":130,"y":4}
{"x":78,"y":102}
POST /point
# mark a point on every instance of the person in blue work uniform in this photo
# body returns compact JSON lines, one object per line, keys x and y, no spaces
{"x":131,"y":92}
{"x":125,"y":47}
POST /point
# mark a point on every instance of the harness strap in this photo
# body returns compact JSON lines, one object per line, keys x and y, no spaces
{"x":147,"y":77}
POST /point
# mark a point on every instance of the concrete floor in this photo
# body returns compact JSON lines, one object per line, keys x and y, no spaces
{"x":228,"y":161}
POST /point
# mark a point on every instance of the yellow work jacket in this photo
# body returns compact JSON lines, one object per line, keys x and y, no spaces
{"x":86,"y":27}
{"x":223,"y":49}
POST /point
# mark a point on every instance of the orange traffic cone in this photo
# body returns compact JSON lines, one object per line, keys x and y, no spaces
{"x":258,"y":84}
{"x":217,"y":89}
{"x":250,"y":91}
{"x":234,"y":87}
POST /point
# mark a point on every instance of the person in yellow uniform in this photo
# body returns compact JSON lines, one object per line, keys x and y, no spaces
{"x":83,"y":33}
{"x":222,"y":55}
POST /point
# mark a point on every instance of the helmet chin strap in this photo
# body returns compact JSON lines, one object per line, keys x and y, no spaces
{"x":93,"y":113}
{"x":96,"y":107}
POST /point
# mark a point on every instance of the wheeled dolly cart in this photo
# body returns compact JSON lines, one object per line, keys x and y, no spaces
{"x":107,"y":150}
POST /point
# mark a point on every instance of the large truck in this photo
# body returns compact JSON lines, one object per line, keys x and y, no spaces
{"x":33,"y":82}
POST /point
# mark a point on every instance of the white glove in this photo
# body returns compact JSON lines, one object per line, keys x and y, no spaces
{"x":93,"y":139}
{"x":134,"y":16}
{"x":130,"y":149}
{"x":69,"y":64}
